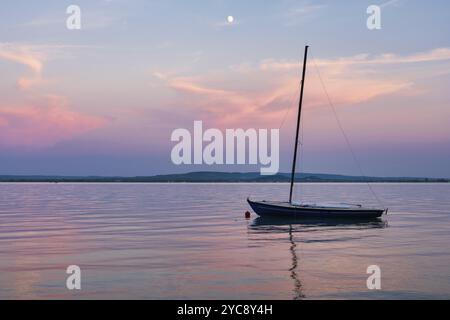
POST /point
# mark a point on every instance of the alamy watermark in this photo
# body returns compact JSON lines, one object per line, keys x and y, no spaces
{"x":241,"y":146}
{"x":374,"y":280}
{"x":73,"y":281}
{"x":73,"y":22}
{"x":374,"y":20}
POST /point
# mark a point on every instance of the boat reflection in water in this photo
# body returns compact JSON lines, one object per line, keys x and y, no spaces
{"x":293,"y":227}
{"x":275,"y":224}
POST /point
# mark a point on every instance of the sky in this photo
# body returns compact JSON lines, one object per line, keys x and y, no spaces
{"x":104,"y":100}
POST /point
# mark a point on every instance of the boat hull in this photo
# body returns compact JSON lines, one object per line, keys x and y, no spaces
{"x":285,"y":209}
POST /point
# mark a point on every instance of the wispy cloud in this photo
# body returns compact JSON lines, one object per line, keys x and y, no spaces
{"x":92,"y":19}
{"x":392,"y":3}
{"x":23,"y":55}
{"x":274,"y":86}
{"x":48,"y":118}
{"x":306,"y":9}
{"x":34,"y":57}
{"x":44,"y":22}
{"x":189,"y":86}
{"x":439,"y":54}
{"x":28,"y":57}
{"x":299,"y":13}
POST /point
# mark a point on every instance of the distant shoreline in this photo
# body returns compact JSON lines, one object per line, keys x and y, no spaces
{"x":220,"y":177}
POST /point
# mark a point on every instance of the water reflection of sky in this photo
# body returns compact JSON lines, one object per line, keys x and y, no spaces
{"x":192,"y":241}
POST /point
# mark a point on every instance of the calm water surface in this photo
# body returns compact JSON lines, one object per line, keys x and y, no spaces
{"x":186,"y":241}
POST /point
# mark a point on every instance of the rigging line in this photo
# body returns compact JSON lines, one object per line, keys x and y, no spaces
{"x":343,"y":132}
{"x":291,"y":104}
{"x":297,"y":187}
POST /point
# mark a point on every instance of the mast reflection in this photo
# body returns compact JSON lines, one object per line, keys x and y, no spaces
{"x":292,"y":225}
{"x":298,"y":292}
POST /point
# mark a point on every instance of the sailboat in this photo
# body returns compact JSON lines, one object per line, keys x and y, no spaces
{"x":303,"y":210}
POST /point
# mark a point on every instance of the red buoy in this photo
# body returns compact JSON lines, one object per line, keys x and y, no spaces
{"x":247,"y":214}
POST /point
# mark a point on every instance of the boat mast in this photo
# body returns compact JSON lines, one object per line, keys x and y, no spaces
{"x":298,"y":123}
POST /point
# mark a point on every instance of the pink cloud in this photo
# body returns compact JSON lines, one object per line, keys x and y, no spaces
{"x":22,"y":55}
{"x":43,"y":125}
{"x":49,"y":118}
{"x":266,"y":102}
{"x":26,"y":83}
{"x":264,"y":91}
{"x":28,"y":57}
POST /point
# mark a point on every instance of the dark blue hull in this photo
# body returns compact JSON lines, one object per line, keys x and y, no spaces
{"x":284,"y":209}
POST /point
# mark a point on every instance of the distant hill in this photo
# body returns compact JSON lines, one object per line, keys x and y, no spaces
{"x":211,"y":176}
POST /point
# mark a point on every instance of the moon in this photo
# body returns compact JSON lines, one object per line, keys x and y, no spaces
{"x":230,"y":19}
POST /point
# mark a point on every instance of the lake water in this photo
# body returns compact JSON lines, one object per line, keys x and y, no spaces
{"x":191,"y":241}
